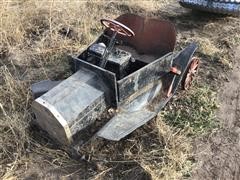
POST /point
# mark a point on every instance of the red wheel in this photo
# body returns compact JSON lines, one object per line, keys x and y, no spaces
{"x":191,"y":73}
{"x":117,"y":27}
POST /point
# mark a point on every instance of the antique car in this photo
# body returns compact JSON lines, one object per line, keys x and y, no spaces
{"x":122,"y":80}
{"x":230,"y":7}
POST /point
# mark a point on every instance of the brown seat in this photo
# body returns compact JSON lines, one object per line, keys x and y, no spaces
{"x":152,"y":36}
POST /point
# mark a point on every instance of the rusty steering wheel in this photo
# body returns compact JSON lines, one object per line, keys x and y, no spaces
{"x":117,"y":27}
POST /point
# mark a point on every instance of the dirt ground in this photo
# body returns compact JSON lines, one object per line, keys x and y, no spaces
{"x":218,"y":154}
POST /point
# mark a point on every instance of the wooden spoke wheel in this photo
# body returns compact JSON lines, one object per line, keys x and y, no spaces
{"x":190,"y":73}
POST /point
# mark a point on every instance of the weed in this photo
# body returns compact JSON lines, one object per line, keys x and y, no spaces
{"x":194,"y":110}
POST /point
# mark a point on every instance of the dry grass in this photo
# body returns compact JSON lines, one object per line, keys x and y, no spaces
{"x":35,"y":38}
{"x":156,"y":150}
{"x":175,"y":154}
{"x":14,"y":118}
{"x":194,"y":110}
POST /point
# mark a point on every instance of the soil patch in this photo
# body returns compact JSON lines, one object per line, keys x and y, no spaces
{"x":218,"y":155}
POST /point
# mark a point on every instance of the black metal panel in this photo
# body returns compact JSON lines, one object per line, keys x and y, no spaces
{"x":124,"y":123}
{"x":135,"y":82}
{"x":42,"y":87}
{"x":182,"y":61}
{"x":108,"y":84}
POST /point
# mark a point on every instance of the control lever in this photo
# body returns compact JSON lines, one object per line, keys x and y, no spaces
{"x":108,"y":50}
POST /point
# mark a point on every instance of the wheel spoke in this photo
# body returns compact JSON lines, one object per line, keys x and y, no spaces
{"x":194,"y":72}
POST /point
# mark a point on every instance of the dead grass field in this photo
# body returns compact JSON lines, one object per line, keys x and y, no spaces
{"x":36,"y":36}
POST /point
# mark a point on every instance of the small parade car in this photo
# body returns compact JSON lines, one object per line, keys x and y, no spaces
{"x":130,"y":73}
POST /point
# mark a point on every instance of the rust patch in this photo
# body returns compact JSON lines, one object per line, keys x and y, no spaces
{"x":152,"y":36}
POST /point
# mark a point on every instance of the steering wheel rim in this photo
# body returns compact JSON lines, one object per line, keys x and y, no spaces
{"x":118,"y":27}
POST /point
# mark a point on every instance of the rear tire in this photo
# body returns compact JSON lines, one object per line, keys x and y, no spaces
{"x":230,"y":7}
